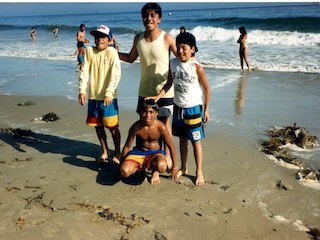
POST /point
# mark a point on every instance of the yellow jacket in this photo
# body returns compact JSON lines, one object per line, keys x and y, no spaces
{"x":103,"y":69}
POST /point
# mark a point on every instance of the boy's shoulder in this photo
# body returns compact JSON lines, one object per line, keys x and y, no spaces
{"x":112,"y":50}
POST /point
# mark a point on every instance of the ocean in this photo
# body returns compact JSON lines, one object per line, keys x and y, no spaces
{"x":281,"y":38}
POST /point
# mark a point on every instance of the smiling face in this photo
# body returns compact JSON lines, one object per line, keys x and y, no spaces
{"x":149,"y":115}
{"x":151,"y":20}
{"x":101,"y":41}
{"x":185,"y":52}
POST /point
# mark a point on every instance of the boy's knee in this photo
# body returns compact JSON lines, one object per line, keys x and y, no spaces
{"x":124,"y":172}
{"x":162,"y":166}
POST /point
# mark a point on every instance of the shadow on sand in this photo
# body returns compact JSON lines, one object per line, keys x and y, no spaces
{"x":75,"y":152}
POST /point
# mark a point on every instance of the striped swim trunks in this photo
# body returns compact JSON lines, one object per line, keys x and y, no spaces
{"x":100,"y":115}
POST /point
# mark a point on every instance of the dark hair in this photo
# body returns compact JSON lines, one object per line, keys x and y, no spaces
{"x":151,"y":6}
{"x":150,"y":103}
{"x":242,"y":29}
{"x":183,"y":28}
{"x":187,"y":38}
{"x":81,"y":26}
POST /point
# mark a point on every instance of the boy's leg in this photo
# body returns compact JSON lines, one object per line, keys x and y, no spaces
{"x":101,"y":134}
{"x":166,"y":121}
{"x":158,"y":164}
{"x":183,"y":155}
{"x":116,"y":137}
{"x":128,"y":168}
{"x":198,"y":156}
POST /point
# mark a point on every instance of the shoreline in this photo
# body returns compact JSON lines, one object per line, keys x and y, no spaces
{"x":51,"y":180}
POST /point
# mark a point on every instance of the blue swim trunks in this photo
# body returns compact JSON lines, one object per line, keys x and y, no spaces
{"x":100,"y":115}
{"x":142,"y":158}
{"x":80,"y":58}
{"x":188,"y":123}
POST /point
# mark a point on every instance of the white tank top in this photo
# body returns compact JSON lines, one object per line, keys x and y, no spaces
{"x":187,"y":89}
{"x":154,"y":60}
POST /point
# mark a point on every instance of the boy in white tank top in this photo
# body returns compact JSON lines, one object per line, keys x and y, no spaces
{"x":190,"y":110}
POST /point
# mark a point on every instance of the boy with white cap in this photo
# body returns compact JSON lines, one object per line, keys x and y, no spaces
{"x":102,"y":67}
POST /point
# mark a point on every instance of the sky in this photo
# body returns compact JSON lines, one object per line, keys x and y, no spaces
{"x":24,"y":8}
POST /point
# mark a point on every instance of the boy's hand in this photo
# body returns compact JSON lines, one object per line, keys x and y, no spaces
{"x":107,"y":101}
{"x":206,"y":116}
{"x":155,"y":98}
{"x":174,"y":173}
{"x":82,"y":98}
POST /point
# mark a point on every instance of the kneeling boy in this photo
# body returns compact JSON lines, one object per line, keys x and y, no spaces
{"x":147,"y":153}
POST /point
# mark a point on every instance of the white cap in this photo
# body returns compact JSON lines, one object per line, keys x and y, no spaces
{"x":101,"y":29}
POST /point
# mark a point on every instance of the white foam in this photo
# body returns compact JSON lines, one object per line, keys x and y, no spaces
{"x":282,"y":163}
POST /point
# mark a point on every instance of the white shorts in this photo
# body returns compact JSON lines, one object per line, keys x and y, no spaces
{"x":165,"y":111}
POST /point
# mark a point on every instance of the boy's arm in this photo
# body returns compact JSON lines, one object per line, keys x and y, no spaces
{"x":164,"y":89}
{"x":133,"y":55}
{"x":169,"y":142}
{"x":171,"y":42}
{"x":128,"y":143}
{"x":83,"y":79}
{"x":206,"y":90}
{"x":115,"y":77}
{"x":75,"y":53}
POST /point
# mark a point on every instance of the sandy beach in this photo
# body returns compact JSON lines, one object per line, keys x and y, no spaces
{"x":51,"y":187}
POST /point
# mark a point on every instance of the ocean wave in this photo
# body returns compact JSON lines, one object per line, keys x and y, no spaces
{"x":280,"y":51}
{"x":256,"y":37}
{"x":301,"y":24}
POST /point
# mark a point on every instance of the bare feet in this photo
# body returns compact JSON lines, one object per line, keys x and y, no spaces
{"x":182,"y":172}
{"x":200,"y":180}
{"x":155,"y":179}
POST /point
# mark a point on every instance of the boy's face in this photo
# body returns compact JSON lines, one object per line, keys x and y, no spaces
{"x":185,"y":52}
{"x":101,"y":41}
{"x":151,"y":20}
{"x":149,"y":115}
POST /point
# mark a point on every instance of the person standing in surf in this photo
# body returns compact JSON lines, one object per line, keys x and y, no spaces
{"x":243,"y":49}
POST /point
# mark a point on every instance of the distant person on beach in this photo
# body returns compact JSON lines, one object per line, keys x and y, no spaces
{"x":243,"y":50}
{"x":102,"y":67}
{"x":191,"y":101}
{"x":153,"y":46}
{"x":182,"y":29}
{"x":81,"y":35}
{"x":147,"y":153}
{"x":80,"y":51}
{"x":113,"y":42}
{"x":33,"y":34}
{"x":55,"y":31}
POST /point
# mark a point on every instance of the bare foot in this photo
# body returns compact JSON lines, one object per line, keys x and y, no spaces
{"x":102,"y":159}
{"x":155,"y":179}
{"x":115,"y":160}
{"x":200,"y":180}
{"x":182,"y":172}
